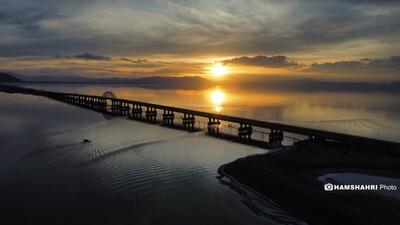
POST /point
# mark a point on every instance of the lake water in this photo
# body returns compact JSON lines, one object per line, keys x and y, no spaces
{"x":375,"y":115}
{"x":129,"y":173}
{"x":137,"y":173}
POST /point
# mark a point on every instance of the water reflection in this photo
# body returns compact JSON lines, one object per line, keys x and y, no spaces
{"x":375,"y":115}
{"x":217,"y":98}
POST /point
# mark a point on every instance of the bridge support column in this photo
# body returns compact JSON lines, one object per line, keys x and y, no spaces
{"x":188,"y":121}
{"x":116,"y":106}
{"x":125,"y":108}
{"x":151,"y":114}
{"x":89,"y":102}
{"x":96,"y":103}
{"x":104,"y":104}
{"x":100,"y":106}
{"x":276,"y":137}
{"x":168,"y":117}
{"x":93,"y":102}
{"x":245,"y":131}
{"x":137,"y":111}
{"x":213,"y":126}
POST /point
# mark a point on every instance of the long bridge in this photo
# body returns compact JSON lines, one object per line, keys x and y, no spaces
{"x":144,"y":111}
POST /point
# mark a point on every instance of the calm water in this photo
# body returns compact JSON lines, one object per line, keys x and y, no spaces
{"x":375,"y":115}
{"x":130,"y":172}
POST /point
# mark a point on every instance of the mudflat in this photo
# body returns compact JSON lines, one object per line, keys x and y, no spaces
{"x":291,"y":176}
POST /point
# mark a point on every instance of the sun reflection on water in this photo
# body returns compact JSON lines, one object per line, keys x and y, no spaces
{"x":217,"y":98}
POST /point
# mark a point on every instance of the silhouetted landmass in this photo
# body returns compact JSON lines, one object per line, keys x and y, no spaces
{"x":6,"y":77}
{"x":187,"y":82}
{"x":183,"y":82}
{"x":311,"y":85}
{"x":290,"y":177}
{"x":197,"y":82}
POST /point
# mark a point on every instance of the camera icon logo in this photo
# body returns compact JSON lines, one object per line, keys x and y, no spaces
{"x":328,"y":187}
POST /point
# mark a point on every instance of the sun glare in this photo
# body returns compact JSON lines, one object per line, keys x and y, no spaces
{"x":219,"y":70}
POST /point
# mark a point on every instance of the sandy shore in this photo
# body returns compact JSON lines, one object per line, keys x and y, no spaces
{"x":290,"y":177}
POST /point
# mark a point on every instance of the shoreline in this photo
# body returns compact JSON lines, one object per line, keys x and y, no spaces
{"x":290,"y":178}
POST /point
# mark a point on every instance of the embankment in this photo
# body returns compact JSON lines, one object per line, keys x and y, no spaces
{"x":290,"y":178}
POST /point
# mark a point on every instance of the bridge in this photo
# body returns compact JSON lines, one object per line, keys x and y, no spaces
{"x":143,"y":111}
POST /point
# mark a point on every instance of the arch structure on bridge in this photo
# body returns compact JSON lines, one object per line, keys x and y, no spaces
{"x":109,"y":94}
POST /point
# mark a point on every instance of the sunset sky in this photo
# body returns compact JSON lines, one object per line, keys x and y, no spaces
{"x":331,"y":39}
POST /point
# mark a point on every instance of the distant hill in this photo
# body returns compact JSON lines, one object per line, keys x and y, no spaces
{"x":187,"y":82}
{"x":196,"y":82}
{"x":311,"y":85}
{"x":6,"y":77}
{"x":162,"y":82}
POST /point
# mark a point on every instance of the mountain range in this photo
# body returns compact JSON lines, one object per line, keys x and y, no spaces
{"x":196,"y":82}
{"x":6,"y":77}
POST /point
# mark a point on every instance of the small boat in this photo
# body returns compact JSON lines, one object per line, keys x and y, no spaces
{"x":86,"y":141}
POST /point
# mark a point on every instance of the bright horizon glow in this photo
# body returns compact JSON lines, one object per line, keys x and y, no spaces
{"x":219,"y":70}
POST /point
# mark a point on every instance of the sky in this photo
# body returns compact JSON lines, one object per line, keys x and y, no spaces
{"x":331,"y":39}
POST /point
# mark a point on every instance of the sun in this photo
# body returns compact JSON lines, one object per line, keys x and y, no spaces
{"x":219,"y":70}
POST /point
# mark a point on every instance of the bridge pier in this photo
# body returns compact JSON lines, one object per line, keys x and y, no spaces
{"x":137,"y":111}
{"x":96,"y":103}
{"x":168,"y":117}
{"x":151,"y":114}
{"x":116,"y":106}
{"x":79,"y":100}
{"x":125,"y":108}
{"x":188,"y":121}
{"x":67,"y":98}
{"x":101,"y":104}
{"x":213,"y":126}
{"x":276,"y":137}
{"x":245,"y":131}
{"x":90,"y":102}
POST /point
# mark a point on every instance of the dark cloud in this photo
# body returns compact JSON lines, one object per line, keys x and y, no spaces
{"x":142,"y":63}
{"x":90,"y":56}
{"x":142,"y":28}
{"x":28,"y":19}
{"x":135,"y":61}
{"x":264,"y":61}
{"x":85,"y":56}
{"x":364,"y":65}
